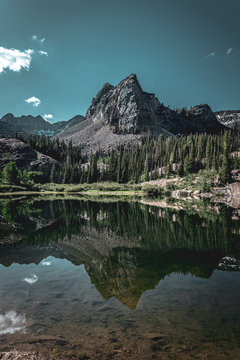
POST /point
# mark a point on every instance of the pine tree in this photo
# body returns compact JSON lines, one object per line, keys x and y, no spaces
{"x":119,"y":168}
{"x":11,"y":174}
{"x":53,"y":174}
{"x":225,"y":171}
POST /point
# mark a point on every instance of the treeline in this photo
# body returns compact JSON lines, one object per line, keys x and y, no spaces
{"x":151,"y":160}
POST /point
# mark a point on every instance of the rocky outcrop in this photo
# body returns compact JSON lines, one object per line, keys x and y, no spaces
{"x":24,"y":156}
{"x":25,"y":125}
{"x":201,"y":119}
{"x":121,"y":114}
{"x":229,"y":263}
{"x":229,"y":118}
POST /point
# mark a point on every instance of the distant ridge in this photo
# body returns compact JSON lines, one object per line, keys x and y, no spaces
{"x":28,"y":124}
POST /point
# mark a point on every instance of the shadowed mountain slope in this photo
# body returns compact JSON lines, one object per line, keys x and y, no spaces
{"x":26,"y":125}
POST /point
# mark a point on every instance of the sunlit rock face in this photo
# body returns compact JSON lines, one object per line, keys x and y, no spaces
{"x":126,"y":108}
{"x":229,"y":118}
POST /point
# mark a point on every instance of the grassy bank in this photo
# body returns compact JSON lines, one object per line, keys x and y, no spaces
{"x":201,"y":184}
{"x":94,"y":189}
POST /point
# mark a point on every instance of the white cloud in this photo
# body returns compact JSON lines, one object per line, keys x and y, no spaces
{"x":34,"y":101}
{"x":14,"y":59}
{"x":34,"y":37}
{"x":229,"y":51}
{"x":211,"y":55}
{"x":42,"y":40}
{"x":10,"y":323}
{"x":31,"y":280}
{"x":47,"y":117}
{"x":41,"y":52}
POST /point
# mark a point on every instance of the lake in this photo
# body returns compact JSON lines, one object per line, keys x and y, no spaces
{"x":119,"y":279}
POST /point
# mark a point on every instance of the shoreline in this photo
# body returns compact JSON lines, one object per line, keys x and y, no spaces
{"x":153,"y":191}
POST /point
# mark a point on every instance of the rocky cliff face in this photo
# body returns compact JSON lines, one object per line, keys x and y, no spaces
{"x":25,"y":125}
{"x":126,"y":108}
{"x":229,"y":118}
{"x":123,"y":113}
{"x":24,"y":156}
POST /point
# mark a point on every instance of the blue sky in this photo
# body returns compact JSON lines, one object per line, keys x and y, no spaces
{"x":58,"y":53}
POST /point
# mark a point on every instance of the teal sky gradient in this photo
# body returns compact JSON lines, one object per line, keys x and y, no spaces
{"x":90,"y":42}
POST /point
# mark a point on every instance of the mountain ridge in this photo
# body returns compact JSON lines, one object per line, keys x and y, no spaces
{"x":29,"y":124}
{"x":120,"y":115}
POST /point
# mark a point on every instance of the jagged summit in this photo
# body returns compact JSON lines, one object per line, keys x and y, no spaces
{"x":126,"y":108}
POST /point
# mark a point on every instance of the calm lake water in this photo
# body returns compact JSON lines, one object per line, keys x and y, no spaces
{"x":121,"y":279}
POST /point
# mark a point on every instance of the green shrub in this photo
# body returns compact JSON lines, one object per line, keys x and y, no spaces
{"x":170,"y":186}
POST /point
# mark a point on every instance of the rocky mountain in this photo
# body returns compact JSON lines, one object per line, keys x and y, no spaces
{"x":25,"y":125}
{"x":24,"y":156}
{"x":121,"y":114}
{"x":229,"y":118}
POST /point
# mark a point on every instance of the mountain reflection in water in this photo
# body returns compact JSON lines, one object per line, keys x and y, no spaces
{"x":126,"y":247}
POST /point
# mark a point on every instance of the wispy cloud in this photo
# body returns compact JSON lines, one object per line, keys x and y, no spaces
{"x":48,"y":117}
{"x":211,"y":55}
{"x":36,"y":38}
{"x":34,"y":101}
{"x":41,"y":52}
{"x":229,"y":51}
{"x":14,"y":59}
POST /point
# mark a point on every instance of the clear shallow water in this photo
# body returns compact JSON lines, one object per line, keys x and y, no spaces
{"x":121,"y":279}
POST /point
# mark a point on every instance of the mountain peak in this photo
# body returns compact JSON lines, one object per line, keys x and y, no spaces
{"x":132,"y":77}
{"x":130,"y":81}
{"x":7,"y":116}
